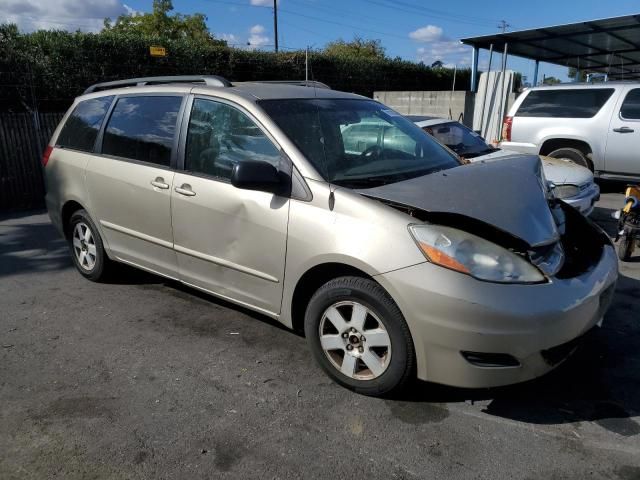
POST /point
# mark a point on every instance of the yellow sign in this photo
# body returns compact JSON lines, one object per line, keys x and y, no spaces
{"x":158,"y":51}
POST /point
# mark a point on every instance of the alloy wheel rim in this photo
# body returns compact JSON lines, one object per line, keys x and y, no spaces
{"x":84,"y":246}
{"x":355,"y":341}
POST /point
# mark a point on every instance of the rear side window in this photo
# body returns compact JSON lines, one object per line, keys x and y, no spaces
{"x":82,"y":126}
{"x":564,"y":103}
{"x":631,"y":106}
{"x":142,"y":128}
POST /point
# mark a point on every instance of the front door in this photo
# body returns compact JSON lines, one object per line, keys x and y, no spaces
{"x":129,"y":184}
{"x":623,"y":139}
{"x":229,"y":241}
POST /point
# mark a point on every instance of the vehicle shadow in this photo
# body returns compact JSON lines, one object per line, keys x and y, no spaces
{"x":604,"y":217}
{"x":600,"y":382}
{"x":28,"y":246}
{"x":611,"y":186}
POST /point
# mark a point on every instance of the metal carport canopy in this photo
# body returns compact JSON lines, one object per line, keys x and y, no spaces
{"x":610,"y":45}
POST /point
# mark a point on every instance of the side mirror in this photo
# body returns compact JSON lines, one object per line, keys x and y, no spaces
{"x":260,"y":176}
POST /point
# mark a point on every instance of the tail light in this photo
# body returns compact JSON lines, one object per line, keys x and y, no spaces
{"x":46,"y":155}
{"x":506,"y":129}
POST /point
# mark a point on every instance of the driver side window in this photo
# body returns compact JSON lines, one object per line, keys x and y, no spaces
{"x":219,"y":136}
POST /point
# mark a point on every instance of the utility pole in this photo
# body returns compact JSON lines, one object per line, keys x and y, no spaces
{"x":503,"y":25}
{"x":275,"y":22}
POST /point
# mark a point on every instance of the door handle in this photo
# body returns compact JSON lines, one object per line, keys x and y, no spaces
{"x":623,"y":130}
{"x":185,"y":190}
{"x":159,"y":183}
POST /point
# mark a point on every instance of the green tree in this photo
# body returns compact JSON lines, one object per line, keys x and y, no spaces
{"x":358,"y":47}
{"x":160,"y":23}
{"x":573,"y":73}
{"x":550,"y":81}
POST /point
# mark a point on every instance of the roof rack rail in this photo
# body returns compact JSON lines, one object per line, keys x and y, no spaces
{"x":209,"y":80}
{"x":301,"y":83}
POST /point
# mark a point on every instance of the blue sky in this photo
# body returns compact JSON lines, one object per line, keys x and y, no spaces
{"x":411,"y":29}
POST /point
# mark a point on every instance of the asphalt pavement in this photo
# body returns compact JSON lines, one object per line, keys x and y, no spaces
{"x":145,"y":378}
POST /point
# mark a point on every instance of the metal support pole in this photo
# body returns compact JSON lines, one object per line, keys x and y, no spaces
{"x":275,"y":22}
{"x":453,"y":89}
{"x":503,"y":99}
{"x":306,"y":64}
{"x":535,"y":73}
{"x":474,"y":69}
{"x":486,"y":90}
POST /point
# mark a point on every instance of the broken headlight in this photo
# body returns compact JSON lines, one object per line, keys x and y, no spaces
{"x":466,"y":253}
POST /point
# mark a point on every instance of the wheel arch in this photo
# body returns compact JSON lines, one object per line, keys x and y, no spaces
{"x":68,"y":209}
{"x":311,"y":280}
{"x":551,"y":144}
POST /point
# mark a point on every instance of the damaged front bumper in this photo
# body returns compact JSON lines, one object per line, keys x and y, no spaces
{"x":475,"y":334}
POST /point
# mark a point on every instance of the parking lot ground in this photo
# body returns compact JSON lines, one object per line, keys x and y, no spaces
{"x":144,"y":378}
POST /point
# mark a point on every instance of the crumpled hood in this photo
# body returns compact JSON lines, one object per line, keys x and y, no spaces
{"x":507,"y":194}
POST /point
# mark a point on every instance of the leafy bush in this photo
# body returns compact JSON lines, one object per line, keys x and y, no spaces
{"x":49,"y":68}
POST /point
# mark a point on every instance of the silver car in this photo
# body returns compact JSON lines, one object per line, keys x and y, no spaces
{"x":395,"y":262}
{"x":571,"y":183}
{"x":595,"y":125}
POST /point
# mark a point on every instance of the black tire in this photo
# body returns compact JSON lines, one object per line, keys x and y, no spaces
{"x":95,"y":267}
{"x":574,"y":155}
{"x":401,"y":363}
{"x":626,"y":245}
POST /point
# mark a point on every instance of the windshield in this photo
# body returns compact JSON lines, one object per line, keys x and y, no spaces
{"x":462,"y":140}
{"x":358,"y":143}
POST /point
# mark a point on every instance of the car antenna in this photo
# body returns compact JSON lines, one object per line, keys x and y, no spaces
{"x":307,"y":69}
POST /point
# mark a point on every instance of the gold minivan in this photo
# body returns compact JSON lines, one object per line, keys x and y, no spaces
{"x":394,"y":258}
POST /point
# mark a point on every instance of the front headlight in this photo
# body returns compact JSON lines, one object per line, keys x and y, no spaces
{"x":463,"y":252}
{"x":565,"y":191}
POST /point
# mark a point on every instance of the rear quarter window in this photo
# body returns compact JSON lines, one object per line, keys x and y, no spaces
{"x":81,"y":128}
{"x":564,"y":103}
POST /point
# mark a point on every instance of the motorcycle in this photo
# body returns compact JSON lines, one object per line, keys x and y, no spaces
{"x":628,"y":232}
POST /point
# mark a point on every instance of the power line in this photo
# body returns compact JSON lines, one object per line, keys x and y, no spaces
{"x":311,"y":17}
{"x":440,"y":13}
{"x":435,"y":14}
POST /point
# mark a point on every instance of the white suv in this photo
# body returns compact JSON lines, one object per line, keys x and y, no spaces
{"x":595,"y":125}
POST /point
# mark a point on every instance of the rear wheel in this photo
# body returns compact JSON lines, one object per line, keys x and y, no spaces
{"x":572,"y":154}
{"x":86,"y":247}
{"x":626,"y":245}
{"x":359,"y":337}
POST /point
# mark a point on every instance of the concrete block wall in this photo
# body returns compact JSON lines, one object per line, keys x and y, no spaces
{"x":457,"y":105}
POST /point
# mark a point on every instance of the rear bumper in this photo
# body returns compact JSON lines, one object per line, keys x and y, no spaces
{"x":450,"y":313}
{"x":586,"y":200}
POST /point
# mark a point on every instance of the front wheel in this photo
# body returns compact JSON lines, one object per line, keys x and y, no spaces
{"x":626,"y":246}
{"x":359,"y":337}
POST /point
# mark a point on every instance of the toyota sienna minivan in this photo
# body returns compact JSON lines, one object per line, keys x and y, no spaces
{"x":395,"y":262}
